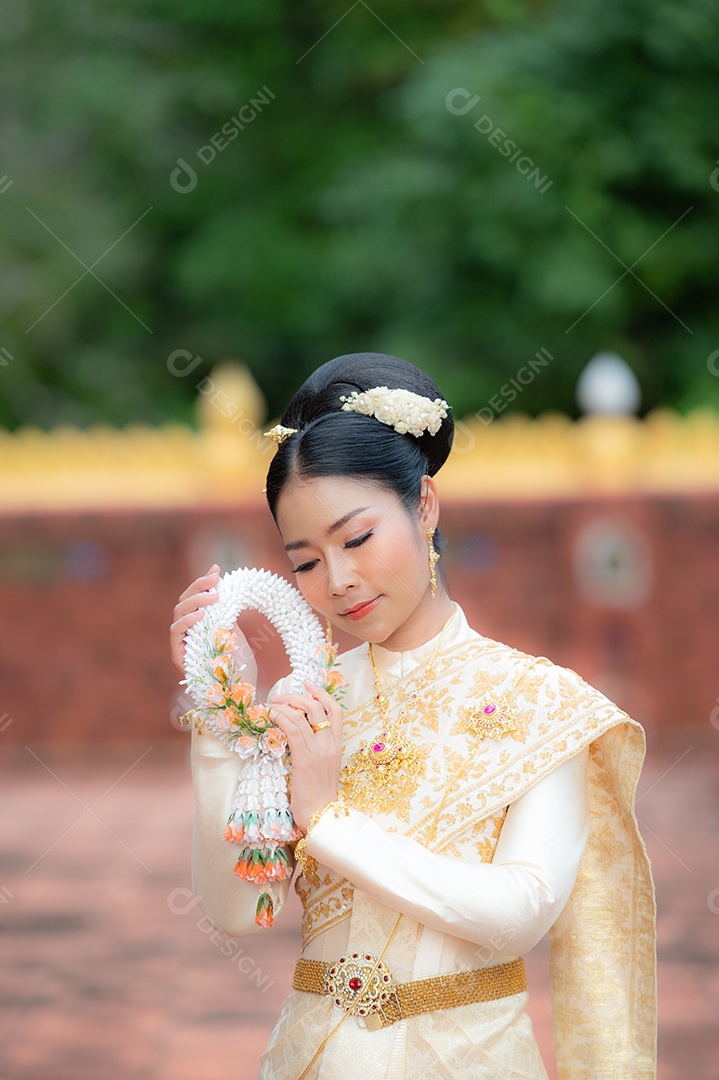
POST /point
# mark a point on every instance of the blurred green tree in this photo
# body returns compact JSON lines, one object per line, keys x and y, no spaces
{"x":284,"y":185}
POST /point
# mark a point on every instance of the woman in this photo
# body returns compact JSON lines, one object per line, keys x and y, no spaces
{"x":463,"y":801}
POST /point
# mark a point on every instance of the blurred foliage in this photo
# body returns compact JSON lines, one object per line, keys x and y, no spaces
{"x":354,"y":210}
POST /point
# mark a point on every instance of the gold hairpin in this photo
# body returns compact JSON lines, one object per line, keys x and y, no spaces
{"x":279,"y":433}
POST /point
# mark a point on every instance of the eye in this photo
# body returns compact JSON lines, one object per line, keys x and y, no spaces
{"x":350,"y":544}
{"x":359,"y":540}
{"x":304,"y":566}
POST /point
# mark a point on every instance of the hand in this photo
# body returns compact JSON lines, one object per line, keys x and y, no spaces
{"x":316,"y":756}
{"x":190,"y":609}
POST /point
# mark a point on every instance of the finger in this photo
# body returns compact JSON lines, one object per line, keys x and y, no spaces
{"x":180,"y":626}
{"x":330,"y":705}
{"x":328,"y":702}
{"x":292,"y":697}
{"x":321,"y":723}
{"x":189,"y":610}
{"x":200,"y":583}
{"x":178,"y":629}
{"x":192,"y":603}
{"x":198,"y":609}
{"x":319,"y":692}
{"x":177,"y":643}
{"x":292,"y":710}
{"x":294,"y":724}
{"x":199,"y":586}
{"x":310,"y":706}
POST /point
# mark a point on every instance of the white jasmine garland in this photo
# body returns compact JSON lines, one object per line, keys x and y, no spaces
{"x":260,"y":818}
{"x":405,"y":411}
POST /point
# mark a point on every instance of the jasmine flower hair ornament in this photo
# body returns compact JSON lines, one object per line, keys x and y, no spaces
{"x":405,"y":411}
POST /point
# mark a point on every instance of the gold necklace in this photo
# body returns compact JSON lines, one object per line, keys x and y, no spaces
{"x":425,"y":676}
{"x":381,"y":776}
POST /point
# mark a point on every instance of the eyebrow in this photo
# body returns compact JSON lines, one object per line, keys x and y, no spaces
{"x":332,"y":529}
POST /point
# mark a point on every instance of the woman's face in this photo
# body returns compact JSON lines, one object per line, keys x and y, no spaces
{"x":352,"y":545}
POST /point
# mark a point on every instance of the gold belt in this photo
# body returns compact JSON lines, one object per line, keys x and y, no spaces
{"x":361,"y":984}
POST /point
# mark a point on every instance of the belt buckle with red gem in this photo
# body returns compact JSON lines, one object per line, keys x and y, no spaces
{"x":361,"y":984}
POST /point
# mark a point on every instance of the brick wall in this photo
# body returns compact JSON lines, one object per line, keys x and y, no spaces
{"x":625,"y":591}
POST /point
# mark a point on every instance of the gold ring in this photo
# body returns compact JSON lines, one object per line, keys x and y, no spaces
{"x":322,"y":724}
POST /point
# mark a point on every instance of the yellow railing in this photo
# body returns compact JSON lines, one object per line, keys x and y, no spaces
{"x":225,"y":461}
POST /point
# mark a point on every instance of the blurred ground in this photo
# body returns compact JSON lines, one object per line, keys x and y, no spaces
{"x":109,"y":974}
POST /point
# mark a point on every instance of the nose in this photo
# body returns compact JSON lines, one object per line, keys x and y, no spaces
{"x":340,"y":576}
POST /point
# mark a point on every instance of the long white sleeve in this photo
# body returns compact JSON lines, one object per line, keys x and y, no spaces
{"x":226,"y":899}
{"x":505,"y":906}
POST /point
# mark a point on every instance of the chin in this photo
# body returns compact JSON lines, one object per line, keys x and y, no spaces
{"x":381,"y":633}
{"x":376,"y":635}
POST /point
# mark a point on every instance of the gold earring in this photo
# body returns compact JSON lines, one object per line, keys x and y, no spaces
{"x":433,"y":558}
{"x":329,"y":632}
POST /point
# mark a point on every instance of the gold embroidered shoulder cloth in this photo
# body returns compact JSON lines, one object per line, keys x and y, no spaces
{"x":498,"y":720}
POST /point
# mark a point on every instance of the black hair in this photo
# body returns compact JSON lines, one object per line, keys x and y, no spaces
{"x":332,"y":442}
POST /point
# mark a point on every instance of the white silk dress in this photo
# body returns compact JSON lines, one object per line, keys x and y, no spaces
{"x":489,"y":835}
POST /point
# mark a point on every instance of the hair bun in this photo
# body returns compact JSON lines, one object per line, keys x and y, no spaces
{"x":321,"y":393}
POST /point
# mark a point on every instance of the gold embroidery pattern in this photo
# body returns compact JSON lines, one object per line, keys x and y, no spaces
{"x":323,"y":906}
{"x":431,"y":707}
{"x":490,"y":830}
{"x":484,"y":838}
{"x":363,"y":717}
{"x":501,"y":768}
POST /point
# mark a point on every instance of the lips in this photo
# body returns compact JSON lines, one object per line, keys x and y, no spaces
{"x":360,"y":609}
